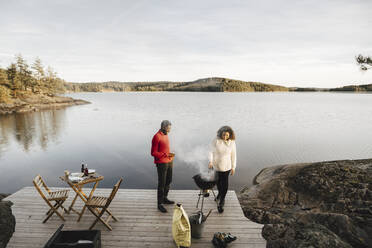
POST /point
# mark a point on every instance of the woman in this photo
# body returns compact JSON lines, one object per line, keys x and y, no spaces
{"x":222,"y":157}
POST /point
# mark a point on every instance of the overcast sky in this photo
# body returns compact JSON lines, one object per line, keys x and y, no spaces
{"x":289,"y":42}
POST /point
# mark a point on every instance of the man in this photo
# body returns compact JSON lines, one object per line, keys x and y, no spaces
{"x":164,"y":163}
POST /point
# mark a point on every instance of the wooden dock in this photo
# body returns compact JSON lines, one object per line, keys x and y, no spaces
{"x":140,"y":223}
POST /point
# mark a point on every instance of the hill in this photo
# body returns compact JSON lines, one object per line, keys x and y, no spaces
{"x":354,"y":88}
{"x":214,"y":84}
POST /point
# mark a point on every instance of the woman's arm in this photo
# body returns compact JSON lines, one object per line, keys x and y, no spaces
{"x":233,"y":158}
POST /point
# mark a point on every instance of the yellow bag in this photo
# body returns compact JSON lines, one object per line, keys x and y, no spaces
{"x":181,"y":228}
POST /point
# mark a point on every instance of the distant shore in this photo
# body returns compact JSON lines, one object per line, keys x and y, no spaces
{"x":34,"y":103}
{"x":213,"y":84}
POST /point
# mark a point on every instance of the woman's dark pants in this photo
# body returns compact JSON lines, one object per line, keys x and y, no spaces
{"x":222,"y":185}
{"x":164,"y":180}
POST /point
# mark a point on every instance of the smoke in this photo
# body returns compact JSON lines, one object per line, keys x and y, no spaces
{"x":197,"y":157}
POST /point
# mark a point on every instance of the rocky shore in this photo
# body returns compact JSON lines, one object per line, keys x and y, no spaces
{"x":33,"y":103}
{"x":7,"y":221}
{"x":324,"y":204}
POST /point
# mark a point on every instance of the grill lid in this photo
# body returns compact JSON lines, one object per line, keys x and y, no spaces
{"x":204,"y":183}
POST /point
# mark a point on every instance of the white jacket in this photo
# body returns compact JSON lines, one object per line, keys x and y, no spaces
{"x":223,"y":154}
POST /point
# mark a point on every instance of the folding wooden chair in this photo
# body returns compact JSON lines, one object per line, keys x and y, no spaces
{"x":98,"y":205}
{"x":59,"y":197}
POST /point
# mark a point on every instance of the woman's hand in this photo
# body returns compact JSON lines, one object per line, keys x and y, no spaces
{"x":210,"y":165}
{"x":232,"y":172}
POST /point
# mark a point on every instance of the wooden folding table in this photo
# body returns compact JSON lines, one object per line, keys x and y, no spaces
{"x":78,"y":188}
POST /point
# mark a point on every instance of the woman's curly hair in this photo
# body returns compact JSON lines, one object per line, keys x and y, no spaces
{"x":226,"y":129}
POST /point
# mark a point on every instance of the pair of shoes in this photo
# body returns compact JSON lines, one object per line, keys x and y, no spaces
{"x":218,"y":240}
{"x":162,"y":208}
{"x":167,"y":201}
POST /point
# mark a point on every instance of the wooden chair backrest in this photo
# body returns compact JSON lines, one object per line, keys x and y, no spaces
{"x":40,"y":185}
{"x":113,"y":192}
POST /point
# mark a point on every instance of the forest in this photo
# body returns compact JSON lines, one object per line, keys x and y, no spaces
{"x":21,"y":79}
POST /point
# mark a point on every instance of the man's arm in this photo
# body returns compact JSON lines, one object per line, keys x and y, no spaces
{"x":155,"y":148}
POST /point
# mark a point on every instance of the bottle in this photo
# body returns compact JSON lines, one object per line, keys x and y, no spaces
{"x":82,"y":168}
{"x":86,"y":171}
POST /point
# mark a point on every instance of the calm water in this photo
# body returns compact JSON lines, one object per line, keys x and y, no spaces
{"x":113,"y":135}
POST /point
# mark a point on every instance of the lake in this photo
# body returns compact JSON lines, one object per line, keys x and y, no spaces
{"x":113,"y":135}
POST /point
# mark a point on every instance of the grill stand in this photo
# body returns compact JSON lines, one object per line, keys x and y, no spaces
{"x":201,"y":194}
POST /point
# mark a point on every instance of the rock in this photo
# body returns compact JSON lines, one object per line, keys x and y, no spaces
{"x":301,"y":236}
{"x":341,"y":225}
{"x":2,"y":196}
{"x":31,"y":103}
{"x":7,"y":223}
{"x":325,"y":204}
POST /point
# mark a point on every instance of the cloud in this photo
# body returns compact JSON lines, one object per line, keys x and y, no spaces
{"x":291,"y":42}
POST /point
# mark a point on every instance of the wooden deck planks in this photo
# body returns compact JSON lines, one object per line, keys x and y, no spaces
{"x":140,"y":223}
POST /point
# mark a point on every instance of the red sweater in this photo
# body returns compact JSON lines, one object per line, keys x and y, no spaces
{"x":160,"y":148}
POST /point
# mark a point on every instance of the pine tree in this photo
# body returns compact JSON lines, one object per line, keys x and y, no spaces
{"x":50,"y":80}
{"x":4,"y":78}
{"x":5,"y":92}
{"x":39,"y":74}
{"x":15,"y":84}
{"x":24,"y":73}
{"x":365,"y":62}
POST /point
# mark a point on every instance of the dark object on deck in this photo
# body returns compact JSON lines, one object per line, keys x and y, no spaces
{"x":220,"y":240}
{"x":203,"y":183}
{"x":197,"y":223}
{"x":75,"y":239}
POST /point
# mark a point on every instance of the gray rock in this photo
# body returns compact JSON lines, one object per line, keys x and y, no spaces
{"x":2,"y":196}
{"x":7,"y":223}
{"x":325,"y":204}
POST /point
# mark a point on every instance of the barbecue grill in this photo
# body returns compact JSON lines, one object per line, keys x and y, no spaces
{"x":204,"y":185}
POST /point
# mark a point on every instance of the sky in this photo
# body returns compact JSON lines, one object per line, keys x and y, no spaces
{"x":304,"y":43}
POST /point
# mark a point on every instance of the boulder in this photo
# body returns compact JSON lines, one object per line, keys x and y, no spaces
{"x":7,"y":223}
{"x":324,"y":204}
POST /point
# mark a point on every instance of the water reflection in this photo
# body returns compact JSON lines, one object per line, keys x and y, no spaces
{"x":31,"y":129}
{"x":113,"y":135}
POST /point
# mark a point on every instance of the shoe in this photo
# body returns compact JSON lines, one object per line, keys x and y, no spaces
{"x":162,"y":208}
{"x":229,"y":238}
{"x":167,"y":201}
{"x":220,"y":209}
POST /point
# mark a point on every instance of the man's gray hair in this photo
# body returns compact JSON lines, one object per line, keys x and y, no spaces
{"x":165,"y":123}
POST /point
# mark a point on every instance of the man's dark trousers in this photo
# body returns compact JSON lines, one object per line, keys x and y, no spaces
{"x":164,"y":180}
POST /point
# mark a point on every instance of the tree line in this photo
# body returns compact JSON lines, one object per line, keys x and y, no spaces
{"x":365,"y":62}
{"x":21,"y":79}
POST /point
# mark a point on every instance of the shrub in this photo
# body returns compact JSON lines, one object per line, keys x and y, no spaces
{"x":5,"y":94}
